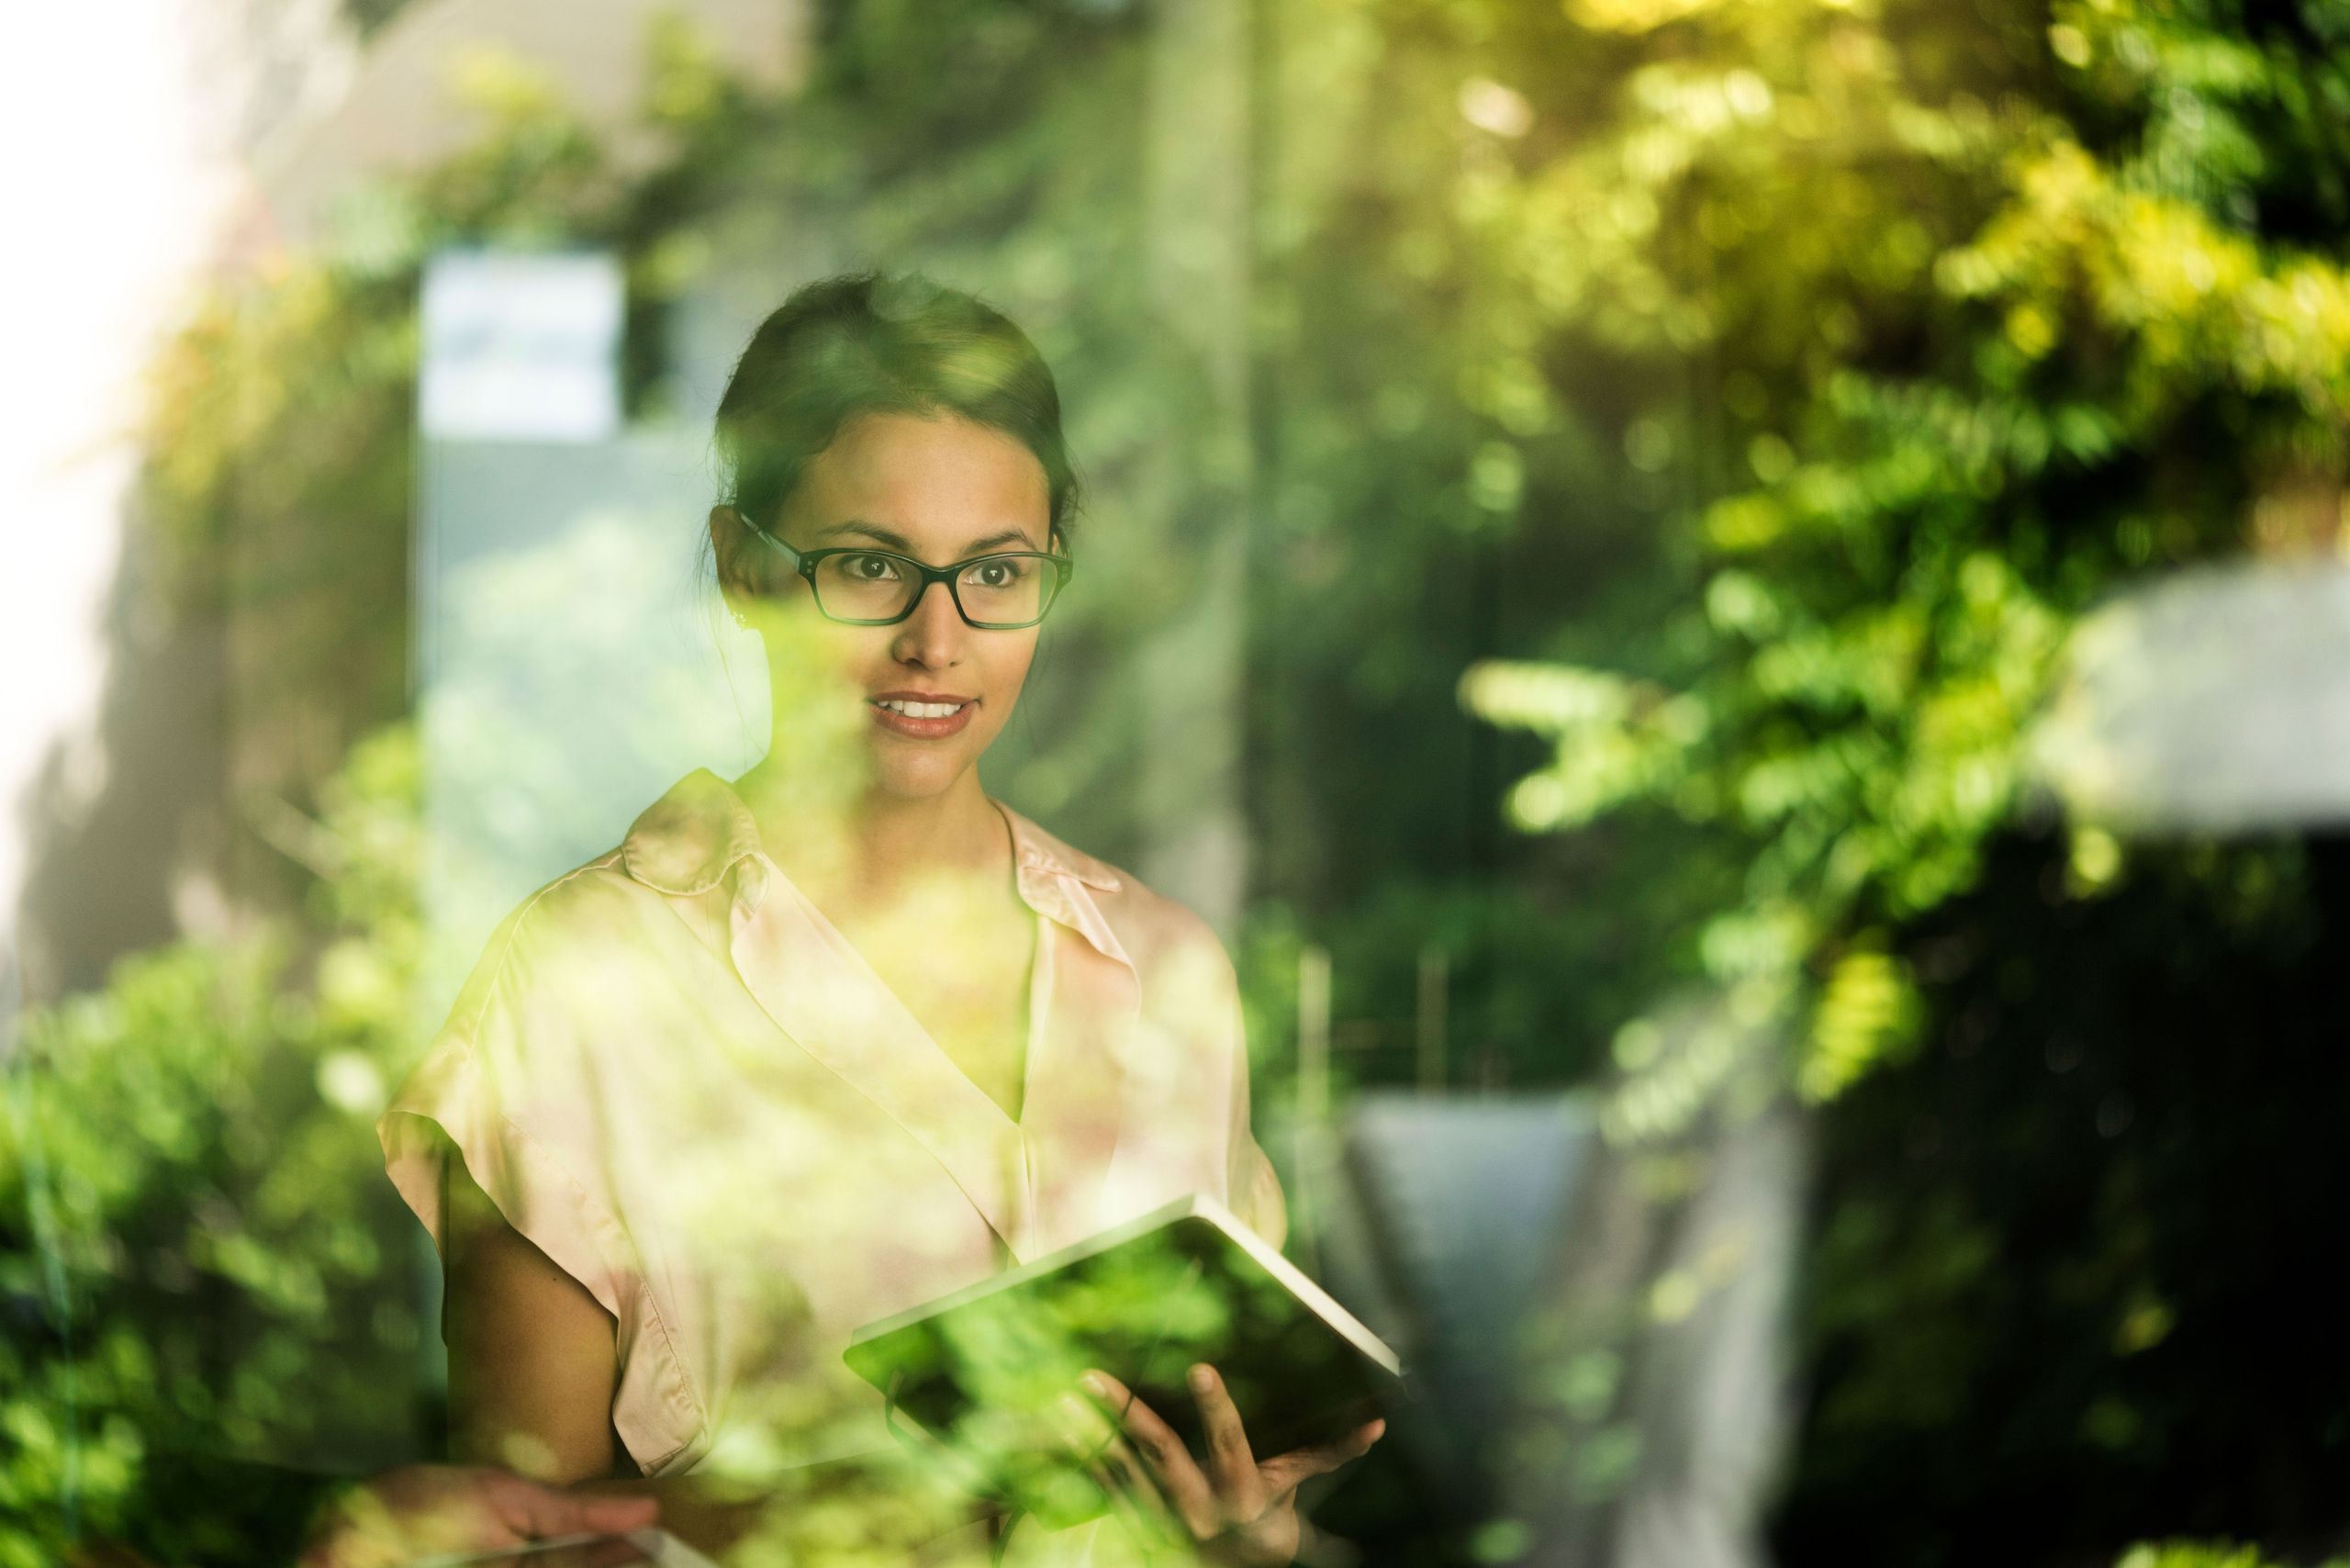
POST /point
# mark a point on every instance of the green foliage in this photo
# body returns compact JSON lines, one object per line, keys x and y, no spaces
{"x":1964,"y":316}
{"x":2199,"y":1554}
{"x":1780,"y":384}
{"x":203,"y":1258}
{"x":2061,"y":1273}
{"x":1696,"y":425}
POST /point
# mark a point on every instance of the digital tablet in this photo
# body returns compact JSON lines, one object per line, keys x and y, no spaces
{"x":635,"y":1549}
{"x":982,"y":1373}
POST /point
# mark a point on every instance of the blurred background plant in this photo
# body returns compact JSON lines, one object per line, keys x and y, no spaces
{"x":193,"y":1219}
{"x":1678,"y":440}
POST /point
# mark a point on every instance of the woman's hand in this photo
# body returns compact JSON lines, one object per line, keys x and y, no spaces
{"x":424,"y":1510}
{"x":1239,"y":1511}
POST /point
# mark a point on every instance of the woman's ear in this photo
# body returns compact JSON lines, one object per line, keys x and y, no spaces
{"x":728,"y":534}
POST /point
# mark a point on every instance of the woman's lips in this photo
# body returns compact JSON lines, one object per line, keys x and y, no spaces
{"x":923,"y":729}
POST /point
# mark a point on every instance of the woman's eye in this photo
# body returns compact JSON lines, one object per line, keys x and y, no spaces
{"x":872,"y":568}
{"x":997,"y":574}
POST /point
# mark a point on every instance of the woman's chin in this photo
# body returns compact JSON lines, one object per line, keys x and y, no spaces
{"x":899,"y":782}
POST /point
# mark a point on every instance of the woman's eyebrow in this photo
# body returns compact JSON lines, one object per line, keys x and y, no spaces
{"x":1007,"y":536}
{"x":900,"y":541}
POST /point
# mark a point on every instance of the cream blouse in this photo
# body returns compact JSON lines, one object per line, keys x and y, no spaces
{"x":680,"y":1081}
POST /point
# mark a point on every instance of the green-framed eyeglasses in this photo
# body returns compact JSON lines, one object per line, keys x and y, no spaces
{"x":862,"y":587}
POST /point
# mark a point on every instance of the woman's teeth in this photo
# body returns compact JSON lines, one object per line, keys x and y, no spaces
{"x":922,"y":709}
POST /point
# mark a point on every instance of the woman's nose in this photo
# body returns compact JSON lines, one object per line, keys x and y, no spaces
{"x":932,"y":636}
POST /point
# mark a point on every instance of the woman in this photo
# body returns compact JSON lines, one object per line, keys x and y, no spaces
{"x":847,"y":1034}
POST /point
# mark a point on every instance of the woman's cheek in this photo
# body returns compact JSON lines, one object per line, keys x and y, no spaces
{"x":1003,"y":689}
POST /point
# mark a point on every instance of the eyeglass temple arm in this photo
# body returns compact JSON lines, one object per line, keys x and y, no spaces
{"x":773,"y":543}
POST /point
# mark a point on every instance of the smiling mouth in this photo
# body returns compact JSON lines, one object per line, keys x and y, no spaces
{"x":913,"y":710}
{"x":911,"y":719}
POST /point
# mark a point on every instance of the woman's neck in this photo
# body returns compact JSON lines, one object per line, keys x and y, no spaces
{"x":878,"y":846}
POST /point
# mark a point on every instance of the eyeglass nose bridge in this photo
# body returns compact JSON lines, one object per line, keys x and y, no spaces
{"x":938,"y":577}
{"x":804,"y":564}
{"x":943,"y":577}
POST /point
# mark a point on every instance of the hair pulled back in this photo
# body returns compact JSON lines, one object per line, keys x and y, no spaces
{"x":873,"y":343}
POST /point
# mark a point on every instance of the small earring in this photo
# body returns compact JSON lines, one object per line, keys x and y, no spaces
{"x":739,"y":620}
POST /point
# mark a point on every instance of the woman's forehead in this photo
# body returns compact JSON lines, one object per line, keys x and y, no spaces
{"x":939,"y":484}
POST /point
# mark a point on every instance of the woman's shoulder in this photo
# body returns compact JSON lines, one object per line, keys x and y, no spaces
{"x":683,"y":844}
{"x":577,"y":922}
{"x":579,"y":897}
{"x":582,"y":932}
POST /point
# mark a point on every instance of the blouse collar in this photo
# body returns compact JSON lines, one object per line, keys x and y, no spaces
{"x":692,"y":837}
{"x":687,"y":841}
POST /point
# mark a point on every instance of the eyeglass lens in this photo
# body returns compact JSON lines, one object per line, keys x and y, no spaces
{"x":993,"y":589}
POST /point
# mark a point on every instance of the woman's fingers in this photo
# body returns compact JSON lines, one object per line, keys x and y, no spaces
{"x":1235,"y":1491}
{"x":1111,"y":1461}
{"x":1085,"y":1426}
{"x":1094,"y":1444}
{"x":1120,"y":1472}
{"x":543,"y":1513}
{"x":422,"y":1510}
{"x":1283,"y":1472}
{"x":1228,"y":1454}
{"x":1179,"y":1478}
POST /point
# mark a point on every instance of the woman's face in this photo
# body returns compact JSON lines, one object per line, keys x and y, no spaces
{"x":942,"y":490}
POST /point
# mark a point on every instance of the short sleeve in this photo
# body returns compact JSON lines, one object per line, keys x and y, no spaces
{"x":511,"y":1087}
{"x":450,"y":1108}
